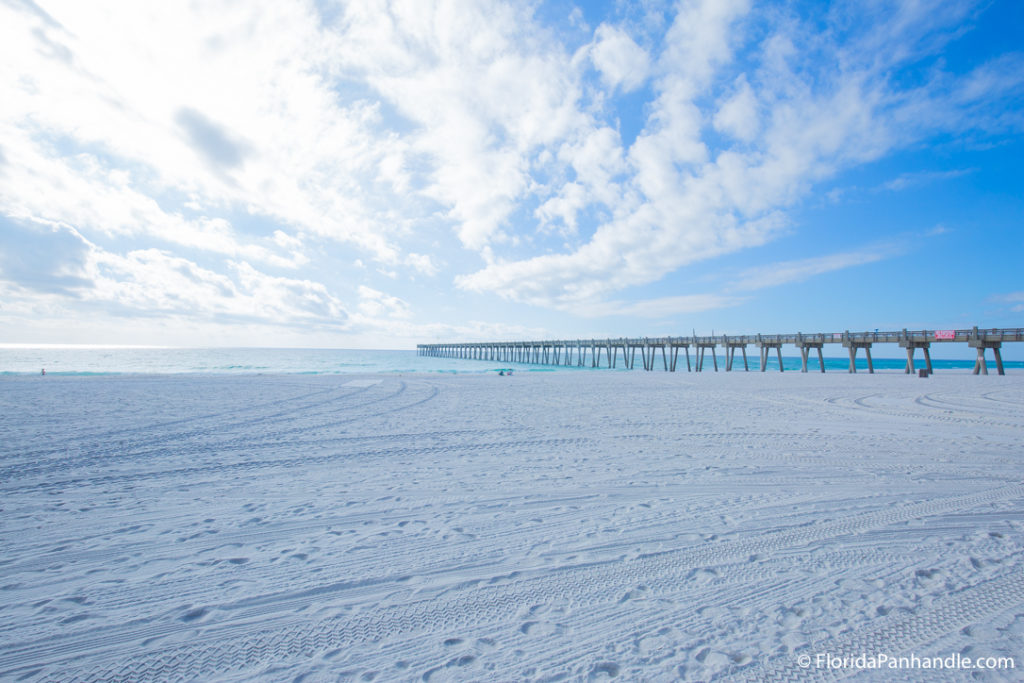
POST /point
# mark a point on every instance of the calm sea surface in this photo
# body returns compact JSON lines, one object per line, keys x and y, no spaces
{"x":107,"y":360}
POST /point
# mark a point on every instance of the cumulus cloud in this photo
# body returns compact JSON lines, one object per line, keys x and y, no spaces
{"x":151,"y":282}
{"x":377,"y":304}
{"x":485,"y":89}
{"x":101,"y":199}
{"x":56,"y":259}
{"x":622,"y":63}
{"x":240,"y":152}
{"x":49,"y":257}
{"x":793,"y":118}
{"x":422,"y":263}
{"x":738,"y":115}
{"x":210,"y":139}
{"x":233,"y":107}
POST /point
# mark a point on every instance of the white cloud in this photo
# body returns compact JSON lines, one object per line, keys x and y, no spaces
{"x":663,"y":306}
{"x":219,"y":146}
{"x":682,"y":219}
{"x":797,"y":271}
{"x":620,"y":60}
{"x":484,"y":88}
{"x":153,"y":282}
{"x":1004,"y":74}
{"x":401,"y":333}
{"x":1014,"y":299}
{"x":738,"y":115}
{"x":55,"y":259}
{"x":907,"y":180}
{"x":422,"y":263}
{"x":570,"y":200}
{"x":596,"y":159}
{"x":230,"y":106}
{"x":377,"y":304}
{"x":632,"y":252}
{"x":101,"y":200}
{"x":796,"y":120}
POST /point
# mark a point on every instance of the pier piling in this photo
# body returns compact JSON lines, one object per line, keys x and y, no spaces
{"x":574,"y":352}
{"x":852,"y":344}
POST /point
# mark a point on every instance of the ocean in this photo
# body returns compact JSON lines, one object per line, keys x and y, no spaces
{"x":96,"y":360}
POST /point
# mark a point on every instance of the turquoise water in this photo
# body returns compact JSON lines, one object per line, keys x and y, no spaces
{"x":103,"y":361}
{"x":843,"y":364}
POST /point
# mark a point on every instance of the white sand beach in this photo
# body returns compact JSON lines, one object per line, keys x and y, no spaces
{"x":543,"y":526}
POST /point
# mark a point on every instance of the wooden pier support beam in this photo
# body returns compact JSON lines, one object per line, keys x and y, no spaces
{"x":673,"y":347}
{"x":647,"y":354}
{"x":702,"y":348}
{"x":911,"y":345}
{"x":730,"y":355}
{"x":766,"y":345}
{"x":675,"y":355}
{"x":981,"y":344}
{"x":805,"y":345}
{"x":805,"y":352}
{"x":980,"y":363}
{"x":852,"y":345}
{"x":561,"y":352}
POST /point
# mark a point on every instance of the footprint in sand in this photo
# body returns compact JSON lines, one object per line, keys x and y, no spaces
{"x":603,"y":671}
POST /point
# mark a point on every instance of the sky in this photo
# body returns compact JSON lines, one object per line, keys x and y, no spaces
{"x":374,"y":174}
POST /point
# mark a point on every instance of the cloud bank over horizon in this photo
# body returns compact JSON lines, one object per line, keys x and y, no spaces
{"x":380,"y":172}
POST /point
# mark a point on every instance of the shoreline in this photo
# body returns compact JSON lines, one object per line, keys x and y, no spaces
{"x":524,"y":370}
{"x":339,"y":361}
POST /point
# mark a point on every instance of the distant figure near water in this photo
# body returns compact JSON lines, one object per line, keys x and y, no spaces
{"x":44,"y":371}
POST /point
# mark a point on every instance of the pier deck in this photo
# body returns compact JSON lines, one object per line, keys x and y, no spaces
{"x":584,"y":352}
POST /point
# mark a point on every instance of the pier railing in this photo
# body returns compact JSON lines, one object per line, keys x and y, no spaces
{"x":583,"y":352}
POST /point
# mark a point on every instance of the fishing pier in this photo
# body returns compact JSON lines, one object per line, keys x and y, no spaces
{"x":584,"y":352}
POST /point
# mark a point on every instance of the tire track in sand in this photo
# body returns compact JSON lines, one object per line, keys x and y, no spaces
{"x":239,"y":646}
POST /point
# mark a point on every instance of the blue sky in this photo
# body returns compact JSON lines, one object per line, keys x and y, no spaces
{"x":377,"y":174}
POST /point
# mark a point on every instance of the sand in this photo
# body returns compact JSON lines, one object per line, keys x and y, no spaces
{"x":544,"y":526}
